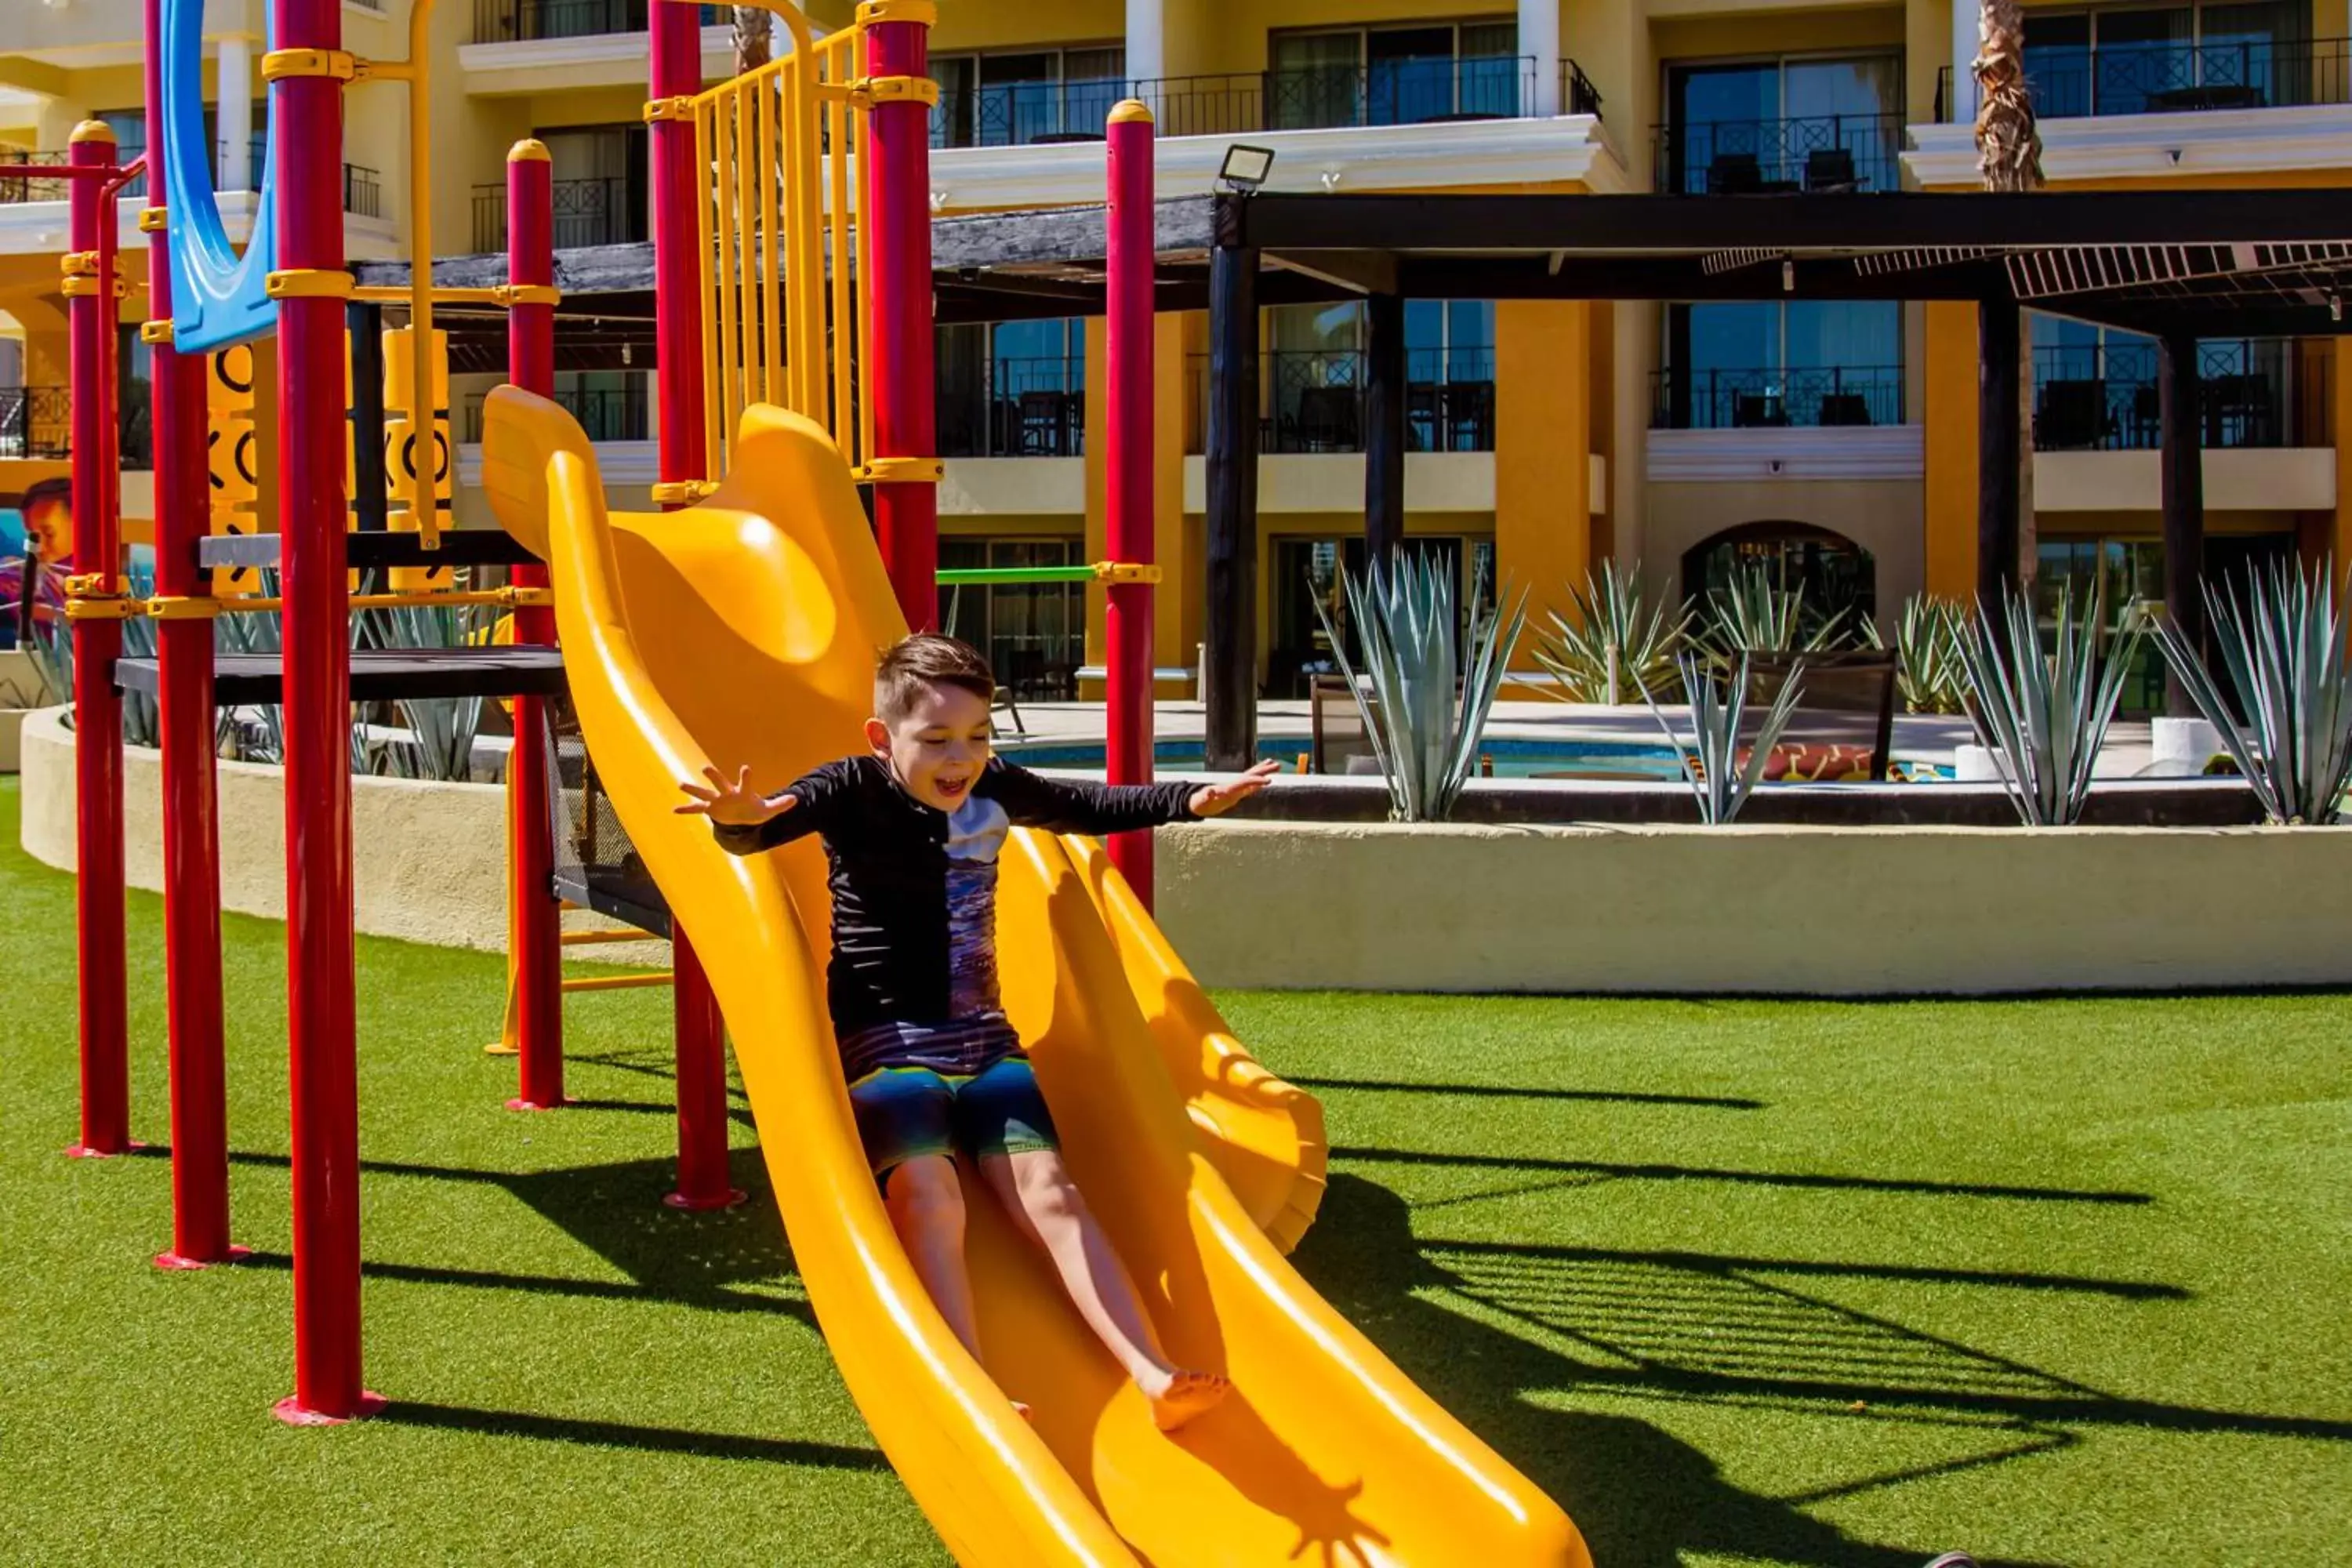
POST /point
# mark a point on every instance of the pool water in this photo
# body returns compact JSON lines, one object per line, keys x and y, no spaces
{"x":1628,"y":760}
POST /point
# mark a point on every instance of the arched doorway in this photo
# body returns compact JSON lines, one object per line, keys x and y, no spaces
{"x":1833,"y":571}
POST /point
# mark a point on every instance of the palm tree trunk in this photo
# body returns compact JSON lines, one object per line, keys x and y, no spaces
{"x":2008,"y":158}
{"x":753,"y":28}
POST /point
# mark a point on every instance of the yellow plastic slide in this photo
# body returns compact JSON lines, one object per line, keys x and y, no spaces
{"x":744,"y":630}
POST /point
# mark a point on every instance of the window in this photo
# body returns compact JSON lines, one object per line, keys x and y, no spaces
{"x":1307,"y":573}
{"x":1395,"y":76}
{"x":1034,"y":633}
{"x":2095,"y":389}
{"x":1742,"y":127}
{"x":1781,"y":362}
{"x":1316,"y":375}
{"x":2141,"y":61}
{"x":1017,"y":100}
{"x":601,"y":186}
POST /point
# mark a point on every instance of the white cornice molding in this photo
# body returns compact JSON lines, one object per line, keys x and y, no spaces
{"x":1350,"y":158}
{"x":2154,"y":147}
{"x":1752,"y":457}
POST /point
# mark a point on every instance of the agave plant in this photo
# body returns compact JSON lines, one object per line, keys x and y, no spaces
{"x":1754,"y":614}
{"x":2045,"y":715}
{"x":442,"y":728}
{"x":255,"y":734}
{"x":2283,"y":645}
{"x":1618,"y":644}
{"x":1929,"y":672}
{"x":1720,"y":777}
{"x":53,"y":660}
{"x":1426,"y":714}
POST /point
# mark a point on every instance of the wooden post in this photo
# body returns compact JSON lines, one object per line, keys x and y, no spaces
{"x":2000,"y":347}
{"x":2179,"y":417}
{"x":1232,"y":695}
{"x":1384,"y":433}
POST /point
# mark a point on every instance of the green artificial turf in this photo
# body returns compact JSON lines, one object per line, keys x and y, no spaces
{"x":2059,"y":1281}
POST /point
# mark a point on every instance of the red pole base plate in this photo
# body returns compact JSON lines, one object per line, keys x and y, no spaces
{"x":175,"y":1262}
{"x":84,"y":1151}
{"x":725,"y":1200}
{"x":519,"y":1103}
{"x":290,"y":1411}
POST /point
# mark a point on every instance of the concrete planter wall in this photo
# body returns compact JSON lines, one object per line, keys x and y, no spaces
{"x":1376,"y":905}
{"x":429,"y":861}
{"x":19,"y":682}
{"x":1809,"y":911}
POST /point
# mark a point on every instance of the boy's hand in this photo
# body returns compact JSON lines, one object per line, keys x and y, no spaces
{"x":1216,"y":800}
{"x":732,"y":803}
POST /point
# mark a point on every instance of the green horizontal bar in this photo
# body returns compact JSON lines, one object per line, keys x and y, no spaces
{"x":973,"y":576}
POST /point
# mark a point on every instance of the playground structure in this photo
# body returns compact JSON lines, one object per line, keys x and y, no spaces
{"x":793,"y":364}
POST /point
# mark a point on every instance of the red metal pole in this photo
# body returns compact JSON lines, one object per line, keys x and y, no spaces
{"x":192,"y":934}
{"x":897,"y":195}
{"x":702,"y":1173}
{"x":306,"y":124}
{"x":97,"y":644}
{"x":1128,"y":460}
{"x":532,"y":922}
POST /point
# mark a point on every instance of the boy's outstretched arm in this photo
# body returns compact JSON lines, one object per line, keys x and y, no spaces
{"x":745,"y":821}
{"x":1077,"y":805}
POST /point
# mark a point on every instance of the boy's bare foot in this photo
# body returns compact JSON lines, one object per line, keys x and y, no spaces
{"x":1182,"y":1395}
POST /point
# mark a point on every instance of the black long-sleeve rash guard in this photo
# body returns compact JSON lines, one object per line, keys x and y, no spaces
{"x":914,"y":888}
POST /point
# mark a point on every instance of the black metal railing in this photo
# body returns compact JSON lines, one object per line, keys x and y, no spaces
{"x":1032,"y":407}
{"x":35,"y":189}
{"x":256,"y":148}
{"x":515,"y":21}
{"x":1313,"y":399}
{"x":606,"y":413}
{"x":1024,"y":113}
{"x":363,"y":195}
{"x":609,"y":210}
{"x":1404,"y":92}
{"x":2071,"y":81}
{"x":1721,"y":398}
{"x":1814,"y":153}
{"x":1576,"y":93}
{"x":35,"y":422}
{"x":2103,"y":397}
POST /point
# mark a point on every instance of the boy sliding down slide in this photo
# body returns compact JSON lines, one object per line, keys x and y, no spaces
{"x":912,"y":832}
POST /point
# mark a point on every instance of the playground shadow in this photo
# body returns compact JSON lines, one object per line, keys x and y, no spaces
{"x":1655,"y":1172}
{"x":1516,"y":1092}
{"x":1642,"y":1497}
{"x":627,"y":1435}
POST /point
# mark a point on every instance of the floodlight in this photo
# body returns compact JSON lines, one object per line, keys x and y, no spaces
{"x":1245,"y":168}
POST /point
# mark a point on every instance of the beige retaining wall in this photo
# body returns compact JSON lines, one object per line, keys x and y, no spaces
{"x":1856,"y":911}
{"x":429,"y":865}
{"x":19,"y":682}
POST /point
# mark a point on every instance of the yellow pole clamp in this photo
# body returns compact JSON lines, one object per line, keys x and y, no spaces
{"x":922,"y":13}
{"x":308,"y":283}
{"x":669,"y":109}
{"x":900,"y":471}
{"x":92,"y":596}
{"x":1125,"y":572}
{"x":90,"y":288}
{"x":279,"y":64}
{"x":684,"y":492}
{"x":868,"y":91}
{"x":182,"y":607}
{"x":79,"y":263}
{"x":155,"y":332}
{"x":153,"y":220}
{"x":512,"y":294}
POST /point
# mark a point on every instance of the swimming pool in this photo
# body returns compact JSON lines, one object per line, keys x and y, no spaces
{"x":1511,"y":757}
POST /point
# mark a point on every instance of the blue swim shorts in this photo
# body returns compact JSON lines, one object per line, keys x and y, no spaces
{"x":905,"y":1112}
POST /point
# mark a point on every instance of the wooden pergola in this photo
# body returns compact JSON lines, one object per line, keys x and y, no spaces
{"x":2176,"y":268}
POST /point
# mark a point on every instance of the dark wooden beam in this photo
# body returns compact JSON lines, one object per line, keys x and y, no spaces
{"x":1232,"y":694}
{"x":1610,"y":277}
{"x":370,"y":489}
{"x":1359,"y":272}
{"x":2001,"y":350}
{"x":2181,"y":420}
{"x":1384,"y":410}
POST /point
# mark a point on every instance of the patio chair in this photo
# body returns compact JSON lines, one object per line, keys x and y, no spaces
{"x":1758,"y":410}
{"x":1336,"y":724}
{"x":1734,"y":174}
{"x":1845,"y":408}
{"x":2071,"y":414}
{"x":1327,"y":418}
{"x":1843,"y":723}
{"x":1830,"y":169}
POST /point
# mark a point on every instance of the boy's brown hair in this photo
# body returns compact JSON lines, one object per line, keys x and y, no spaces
{"x":928,"y":660}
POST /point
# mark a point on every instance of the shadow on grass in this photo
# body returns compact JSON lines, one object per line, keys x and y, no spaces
{"x":624,"y":1434}
{"x":1663,"y":1172}
{"x":1533,"y":1321}
{"x":1512,"y":1091}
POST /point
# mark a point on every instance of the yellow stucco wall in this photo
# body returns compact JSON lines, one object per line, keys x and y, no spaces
{"x":1950,"y":441}
{"x":1543,"y":446}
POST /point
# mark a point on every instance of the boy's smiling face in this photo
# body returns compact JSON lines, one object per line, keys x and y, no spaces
{"x":939,"y":746}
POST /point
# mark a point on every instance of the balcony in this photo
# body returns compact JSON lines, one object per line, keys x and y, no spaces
{"x":1811,"y":154}
{"x":1716,"y":398}
{"x":37,"y":422}
{"x":603,"y":211}
{"x":362,"y":192}
{"x":2252,"y":392}
{"x":528,"y":21}
{"x":1317,"y":400}
{"x":16,"y":193}
{"x":1027,"y":408}
{"x":2175,"y":78}
{"x":606,"y":414}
